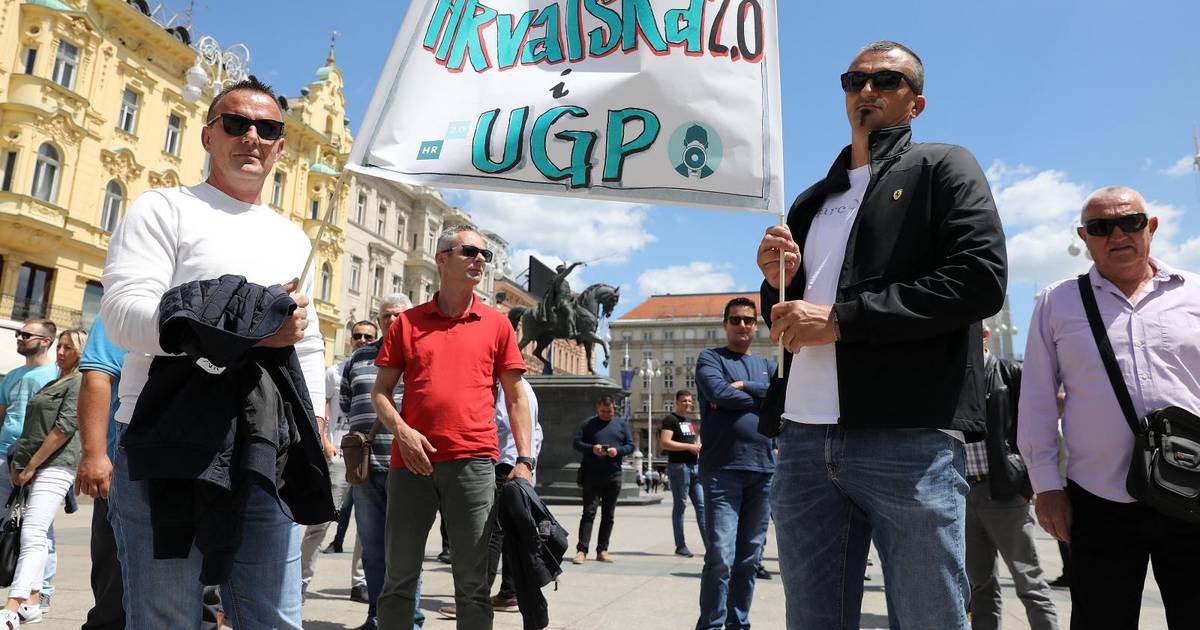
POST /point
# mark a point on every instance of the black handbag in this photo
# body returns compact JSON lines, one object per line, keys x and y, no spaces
{"x":1164,"y":472}
{"x":10,"y":535}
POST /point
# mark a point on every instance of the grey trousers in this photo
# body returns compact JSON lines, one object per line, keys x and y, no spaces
{"x":1004,"y":527}
{"x":463,"y":491}
{"x":314,"y":535}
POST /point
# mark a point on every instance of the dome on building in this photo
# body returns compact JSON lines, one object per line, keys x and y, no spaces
{"x":323,"y":170}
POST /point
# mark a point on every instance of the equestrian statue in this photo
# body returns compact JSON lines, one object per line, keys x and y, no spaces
{"x":563,"y":315}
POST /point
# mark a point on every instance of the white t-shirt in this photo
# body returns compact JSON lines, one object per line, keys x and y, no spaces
{"x":335,"y":422}
{"x":812,"y":388}
{"x":175,"y":235}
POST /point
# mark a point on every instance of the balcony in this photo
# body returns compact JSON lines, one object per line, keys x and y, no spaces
{"x":20,"y":309}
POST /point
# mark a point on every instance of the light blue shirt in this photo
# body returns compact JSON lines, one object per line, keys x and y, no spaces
{"x":101,"y":355}
{"x":18,"y":387}
{"x":508,"y":446}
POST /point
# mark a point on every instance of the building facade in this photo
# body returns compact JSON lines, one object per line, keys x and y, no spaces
{"x":93,"y":112}
{"x":670,"y":331}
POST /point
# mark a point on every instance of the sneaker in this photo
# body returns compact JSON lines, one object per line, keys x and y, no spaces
{"x":44,"y":602}
{"x":602,"y":556}
{"x":685,"y":552}
{"x":9,"y":620}
{"x":334,"y":547}
{"x":580,"y":558}
{"x":359,"y":594}
{"x":444,"y":557}
{"x":29,"y":614}
{"x":762,"y":573}
{"x":504,"y":604}
{"x":449,"y":612}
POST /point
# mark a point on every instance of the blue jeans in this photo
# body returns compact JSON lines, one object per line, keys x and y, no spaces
{"x":685,"y":483}
{"x":836,"y":490}
{"x":370,"y":516}
{"x":738,"y":514}
{"x":262,"y":593}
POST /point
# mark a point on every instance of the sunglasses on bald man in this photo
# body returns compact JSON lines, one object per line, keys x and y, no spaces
{"x":1129,"y":224}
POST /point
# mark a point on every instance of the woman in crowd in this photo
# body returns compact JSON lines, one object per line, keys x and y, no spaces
{"x":43,"y":467}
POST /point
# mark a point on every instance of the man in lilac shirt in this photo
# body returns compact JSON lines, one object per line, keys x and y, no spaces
{"x":1151,"y":312}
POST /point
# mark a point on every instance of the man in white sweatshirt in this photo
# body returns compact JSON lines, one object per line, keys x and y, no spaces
{"x":172,"y":236}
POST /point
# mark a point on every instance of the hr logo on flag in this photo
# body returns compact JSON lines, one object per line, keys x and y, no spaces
{"x":458,"y":130}
{"x":430,"y":150}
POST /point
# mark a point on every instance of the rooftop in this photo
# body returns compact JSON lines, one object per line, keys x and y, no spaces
{"x":695,"y":305}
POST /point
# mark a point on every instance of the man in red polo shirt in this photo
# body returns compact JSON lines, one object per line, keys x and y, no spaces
{"x":450,"y":351}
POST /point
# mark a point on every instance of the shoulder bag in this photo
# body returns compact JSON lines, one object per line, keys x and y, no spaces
{"x":10,"y":535}
{"x":356,"y":453}
{"x":1164,"y":472}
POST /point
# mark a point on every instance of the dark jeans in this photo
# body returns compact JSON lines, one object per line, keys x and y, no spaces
{"x":598,"y":490}
{"x":685,"y":484}
{"x":343,"y":522}
{"x":738,"y":515}
{"x":371,"y":519}
{"x":1111,"y":544}
{"x":107,"y":613}
{"x":534,"y":611}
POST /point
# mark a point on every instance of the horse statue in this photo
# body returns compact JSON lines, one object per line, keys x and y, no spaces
{"x":590,"y":305}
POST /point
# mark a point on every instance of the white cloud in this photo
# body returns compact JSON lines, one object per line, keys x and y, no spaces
{"x":1040,"y":211}
{"x":696,"y":277}
{"x":1183,"y":166}
{"x":560,"y":227}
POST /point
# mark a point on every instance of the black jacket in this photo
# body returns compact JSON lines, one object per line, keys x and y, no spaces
{"x":223,"y":417}
{"x":925,"y":263}
{"x":534,"y":545}
{"x":1007,"y":475}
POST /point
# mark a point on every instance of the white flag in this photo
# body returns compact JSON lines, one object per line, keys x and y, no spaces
{"x":651,"y":101}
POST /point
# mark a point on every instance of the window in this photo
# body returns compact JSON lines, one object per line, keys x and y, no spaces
{"x":360,"y":210}
{"x":647,"y":354}
{"x":625,"y":336}
{"x":326,"y":282}
{"x":668,"y":358}
{"x":397,"y":283}
{"x":277,"y":190}
{"x":710,"y":334}
{"x":355,"y":273}
{"x":377,"y":281}
{"x":668,"y":335}
{"x":647,"y":335}
{"x":689,"y":363}
{"x":690,"y":381}
{"x":431,"y":242}
{"x":414,"y":244}
{"x":33,"y":292}
{"x":114,"y":198}
{"x":66,"y":60}
{"x":646,"y":403}
{"x":127,"y":120}
{"x":668,"y":405}
{"x":174,"y":131}
{"x":381,"y":223}
{"x":45,"y":174}
{"x":30,"y":60}
{"x":92,"y":292}
{"x":401,"y":225}
{"x":314,"y":209}
{"x":645,"y":380}
{"x":9,"y":166}
{"x":669,"y":380}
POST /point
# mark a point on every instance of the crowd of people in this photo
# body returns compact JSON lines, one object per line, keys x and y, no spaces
{"x":201,"y":416}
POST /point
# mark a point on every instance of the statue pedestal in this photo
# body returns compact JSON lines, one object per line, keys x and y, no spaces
{"x":563,"y":403}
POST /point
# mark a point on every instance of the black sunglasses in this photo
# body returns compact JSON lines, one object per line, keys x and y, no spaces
{"x":470,"y":251}
{"x":26,"y":336}
{"x":886,"y":80}
{"x":362,"y":336}
{"x":737,"y":320}
{"x":1128,"y":223}
{"x":237,"y":125}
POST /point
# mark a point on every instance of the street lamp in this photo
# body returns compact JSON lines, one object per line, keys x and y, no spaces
{"x":215,"y":68}
{"x":649,"y":373}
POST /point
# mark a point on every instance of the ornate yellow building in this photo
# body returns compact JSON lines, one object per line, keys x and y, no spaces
{"x":93,"y":113}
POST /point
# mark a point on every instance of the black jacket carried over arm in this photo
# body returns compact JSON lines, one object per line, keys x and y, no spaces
{"x":534,"y":545}
{"x":925,"y":264}
{"x":224,"y":416}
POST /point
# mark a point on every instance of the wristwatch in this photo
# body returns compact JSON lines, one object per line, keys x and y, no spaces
{"x":531,"y":462}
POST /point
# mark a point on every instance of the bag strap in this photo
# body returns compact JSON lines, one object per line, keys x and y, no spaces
{"x":1107,"y":356}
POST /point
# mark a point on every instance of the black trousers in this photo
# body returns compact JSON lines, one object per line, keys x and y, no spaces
{"x":602,"y":491}
{"x":107,"y":589}
{"x":1111,"y":545}
{"x":535,"y":612}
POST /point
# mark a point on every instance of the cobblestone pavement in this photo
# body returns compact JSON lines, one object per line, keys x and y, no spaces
{"x":647,"y":587}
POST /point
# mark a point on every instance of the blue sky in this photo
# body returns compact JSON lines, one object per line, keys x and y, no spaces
{"x":1053,"y":98}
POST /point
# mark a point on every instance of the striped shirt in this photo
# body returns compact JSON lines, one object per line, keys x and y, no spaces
{"x":354,"y":397}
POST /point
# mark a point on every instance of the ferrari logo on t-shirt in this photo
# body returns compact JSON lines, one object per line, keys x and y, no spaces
{"x":896,"y":195}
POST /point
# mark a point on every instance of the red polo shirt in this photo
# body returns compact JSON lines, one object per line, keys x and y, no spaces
{"x":450,"y":369}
